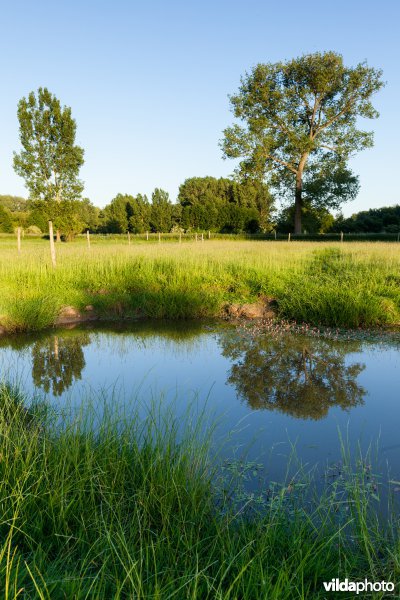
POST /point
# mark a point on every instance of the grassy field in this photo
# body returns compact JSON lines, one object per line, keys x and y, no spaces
{"x":333,"y":284}
{"x":125,"y":511}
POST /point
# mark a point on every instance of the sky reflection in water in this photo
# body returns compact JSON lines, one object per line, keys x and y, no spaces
{"x":268,"y":392}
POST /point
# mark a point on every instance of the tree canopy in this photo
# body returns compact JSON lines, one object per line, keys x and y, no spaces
{"x":13,"y":203}
{"x":374,"y":220}
{"x":6,"y":225}
{"x":49,"y":160}
{"x":225,"y":205}
{"x":161,"y":211}
{"x":299,"y":126}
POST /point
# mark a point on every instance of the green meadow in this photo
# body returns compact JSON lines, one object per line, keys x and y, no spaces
{"x":346,"y":285}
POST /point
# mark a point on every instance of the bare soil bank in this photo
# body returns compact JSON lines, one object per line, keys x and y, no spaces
{"x":69,"y":315}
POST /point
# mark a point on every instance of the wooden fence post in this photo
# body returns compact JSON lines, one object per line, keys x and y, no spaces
{"x":196,"y":236}
{"x":209,"y":235}
{"x":52,"y":247}
{"x":341,"y":236}
{"x":275,"y":234}
{"x":202,"y":238}
{"x":88,"y":238}
{"x":19,"y":239}
{"x":159,"y":237}
{"x":288,"y":238}
{"x":147,"y":235}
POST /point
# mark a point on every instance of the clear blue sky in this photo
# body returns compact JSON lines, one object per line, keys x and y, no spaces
{"x":148,"y":81}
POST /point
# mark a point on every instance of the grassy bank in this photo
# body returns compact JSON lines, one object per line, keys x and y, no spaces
{"x":339,"y":285}
{"x":128,"y":512}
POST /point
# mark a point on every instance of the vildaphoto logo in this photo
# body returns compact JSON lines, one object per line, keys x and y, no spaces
{"x":335,"y":585}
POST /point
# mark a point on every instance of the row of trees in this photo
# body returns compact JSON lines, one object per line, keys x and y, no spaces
{"x":196,"y":211}
{"x":375,"y":220}
{"x":297,"y":126}
{"x":137,"y":215}
{"x":204,"y":204}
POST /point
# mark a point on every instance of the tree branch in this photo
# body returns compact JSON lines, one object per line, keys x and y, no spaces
{"x":282,"y":162}
{"x":339,"y":114}
{"x":332,"y":148}
{"x":280,"y":126}
{"x":316,"y":106}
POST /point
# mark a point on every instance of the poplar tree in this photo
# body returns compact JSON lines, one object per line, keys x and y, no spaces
{"x":49,"y":161}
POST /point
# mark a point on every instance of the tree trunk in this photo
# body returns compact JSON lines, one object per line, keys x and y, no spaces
{"x":298,"y":206}
{"x":298,"y":201}
{"x":52,"y":249}
{"x":58,"y":236}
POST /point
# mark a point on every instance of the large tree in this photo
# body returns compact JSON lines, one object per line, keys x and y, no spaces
{"x":49,"y":160}
{"x":299,"y":125}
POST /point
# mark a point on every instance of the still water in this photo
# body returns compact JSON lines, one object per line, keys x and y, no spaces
{"x":268,"y":392}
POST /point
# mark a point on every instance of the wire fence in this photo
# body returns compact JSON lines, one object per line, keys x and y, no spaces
{"x":281,"y":237}
{"x":209,"y":235}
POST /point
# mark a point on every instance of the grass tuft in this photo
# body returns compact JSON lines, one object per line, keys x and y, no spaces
{"x":351,"y":285}
{"x":125,"y":510}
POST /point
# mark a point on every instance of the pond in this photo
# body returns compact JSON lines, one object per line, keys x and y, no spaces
{"x":269,"y":392}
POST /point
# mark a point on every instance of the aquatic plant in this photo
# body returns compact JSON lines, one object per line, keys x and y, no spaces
{"x":125,"y":510}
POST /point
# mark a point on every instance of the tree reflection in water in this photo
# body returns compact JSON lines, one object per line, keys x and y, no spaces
{"x":303,"y":377}
{"x":57,"y":361}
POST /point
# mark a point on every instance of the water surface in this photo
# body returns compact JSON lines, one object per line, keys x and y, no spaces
{"x":269,"y":392}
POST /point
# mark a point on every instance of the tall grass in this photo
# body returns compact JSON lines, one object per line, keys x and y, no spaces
{"x":125,"y":510}
{"x":343,"y":285}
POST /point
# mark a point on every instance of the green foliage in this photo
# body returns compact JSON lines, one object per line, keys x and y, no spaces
{"x":315,"y":220}
{"x":17,"y":209}
{"x":14,"y":203}
{"x":126,"y":213}
{"x":299,"y":121}
{"x":33,"y":230}
{"x":225,"y":205}
{"x":38,"y":216}
{"x":375,"y":220}
{"x":115,"y":216}
{"x":49,"y":161}
{"x":89,"y":214}
{"x":31,"y":310}
{"x":140,"y":210}
{"x":237,"y":219}
{"x":161,"y":211}
{"x":6,"y":225}
{"x":328,"y":189}
{"x":65,"y":214}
